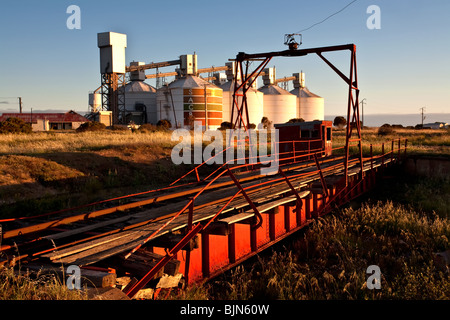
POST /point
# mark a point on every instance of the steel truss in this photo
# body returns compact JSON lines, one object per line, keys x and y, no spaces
{"x":239,"y":112}
{"x":113,"y":96}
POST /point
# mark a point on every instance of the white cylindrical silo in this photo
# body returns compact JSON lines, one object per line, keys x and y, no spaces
{"x":140,"y":98}
{"x":183,"y":102}
{"x":309,"y":105}
{"x":140,"y":102}
{"x":255,"y":103}
{"x":279,"y":105}
{"x":95,"y":101}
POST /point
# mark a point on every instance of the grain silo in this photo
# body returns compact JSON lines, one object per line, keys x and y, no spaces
{"x":309,"y":105}
{"x":190,"y":99}
{"x":255,"y":99}
{"x":140,"y":98}
{"x":95,"y":101}
{"x":279,"y":105}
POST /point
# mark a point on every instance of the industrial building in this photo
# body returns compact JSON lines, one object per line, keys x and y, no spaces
{"x":49,"y":121}
{"x":436,"y":125}
{"x":190,"y":98}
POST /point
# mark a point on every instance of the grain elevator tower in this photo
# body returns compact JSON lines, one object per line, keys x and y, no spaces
{"x":112,"y":68}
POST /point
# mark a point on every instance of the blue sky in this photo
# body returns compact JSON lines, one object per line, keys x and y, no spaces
{"x":402,"y":67}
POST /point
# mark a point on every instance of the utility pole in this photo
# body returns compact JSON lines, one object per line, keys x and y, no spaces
{"x":20,"y":104}
{"x":423,"y":117}
{"x":362,"y":103}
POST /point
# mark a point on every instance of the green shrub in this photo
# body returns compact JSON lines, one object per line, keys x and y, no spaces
{"x":15,"y":125}
{"x":385,"y":130}
{"x":339,"y":122}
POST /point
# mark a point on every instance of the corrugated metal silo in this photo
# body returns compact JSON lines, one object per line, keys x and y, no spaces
{"x":183,"y":101}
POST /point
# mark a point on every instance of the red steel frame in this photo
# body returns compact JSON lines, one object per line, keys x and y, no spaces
{"x":239,"y":113}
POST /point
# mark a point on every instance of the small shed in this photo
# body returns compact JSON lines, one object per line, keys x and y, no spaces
{"x":49,"y":121}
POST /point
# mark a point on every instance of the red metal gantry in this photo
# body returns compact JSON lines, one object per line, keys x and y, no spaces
{"x":239,"y":112}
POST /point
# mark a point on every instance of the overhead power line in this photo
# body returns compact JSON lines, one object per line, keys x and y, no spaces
{"x":337,"y":12}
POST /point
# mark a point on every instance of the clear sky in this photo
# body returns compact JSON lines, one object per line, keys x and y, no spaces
{"x":402,"y":67}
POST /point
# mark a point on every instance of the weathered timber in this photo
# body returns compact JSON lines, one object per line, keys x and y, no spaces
{"x":146,"y":261}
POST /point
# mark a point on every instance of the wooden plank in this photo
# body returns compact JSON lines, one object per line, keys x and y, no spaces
{"x":273,"y":204}
{"x":170,"y":240}
{"x":98,"y":279}
{"x":171,"y":268}
{"x":92,"y":257}
{"x":238,"y":217}
{"x":111,"y":248}
{"x":138,"y":268}
{"x":58,"y":254}
{"x":86,"y":228}
{"x":106,"y":294}
{"x":146,"y":257}
{"x":169,"y":281}
{"x":116,"y":238}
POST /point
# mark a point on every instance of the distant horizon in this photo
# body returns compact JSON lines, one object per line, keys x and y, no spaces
{"x":372,"y":120}
{"x":405,"y":119}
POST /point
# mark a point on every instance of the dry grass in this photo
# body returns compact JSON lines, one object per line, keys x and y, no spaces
{"x":43,"y":172}
{"x":70,"y":142}
{"x":427,"y":141}
{"x":15,"y":286}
